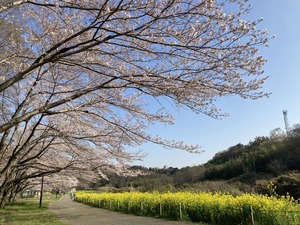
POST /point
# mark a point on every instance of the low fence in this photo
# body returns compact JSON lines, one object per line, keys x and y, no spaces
{"x":247,"y":216}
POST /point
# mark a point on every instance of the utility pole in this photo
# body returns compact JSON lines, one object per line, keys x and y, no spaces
{"x":41,"y":195}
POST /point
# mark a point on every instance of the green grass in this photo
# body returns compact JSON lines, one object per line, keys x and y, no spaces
{"x":27,"y":212}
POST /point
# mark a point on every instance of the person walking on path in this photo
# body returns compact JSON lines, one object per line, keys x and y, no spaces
{"x":74,"y":213}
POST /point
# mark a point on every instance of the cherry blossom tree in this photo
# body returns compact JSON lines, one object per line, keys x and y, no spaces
{"x":76,"y":77}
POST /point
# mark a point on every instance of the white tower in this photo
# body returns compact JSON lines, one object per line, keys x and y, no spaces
{"x":286,"y":121}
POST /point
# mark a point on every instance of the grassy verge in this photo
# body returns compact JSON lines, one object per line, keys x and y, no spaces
{"x":27,"y":212}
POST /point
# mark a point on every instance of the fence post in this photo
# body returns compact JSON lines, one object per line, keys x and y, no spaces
{"x":160,"y":209}
{"x":180,"y":211}
{"x":141,"y":208}
{"x":252,"y":215}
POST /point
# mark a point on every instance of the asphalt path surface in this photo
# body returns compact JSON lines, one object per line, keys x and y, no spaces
{"x":74,"y":213}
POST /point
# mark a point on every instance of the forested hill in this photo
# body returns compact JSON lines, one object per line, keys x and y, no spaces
{"x":246,"y":168}
{"x":272,"y":155}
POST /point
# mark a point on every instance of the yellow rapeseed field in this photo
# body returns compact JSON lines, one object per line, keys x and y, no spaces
{"x":214,"y":208}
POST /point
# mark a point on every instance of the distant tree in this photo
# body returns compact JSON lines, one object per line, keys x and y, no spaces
{"x":77,"y":76}
{"x":230,"y":153}
{"x":189,"y":175}
{"x":276,"y":166}
{"x":295,"y":131}
{"x":277,"y":134}
{"x":257,"y":143}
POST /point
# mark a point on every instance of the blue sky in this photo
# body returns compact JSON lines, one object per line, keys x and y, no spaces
{"x":248,"y":119}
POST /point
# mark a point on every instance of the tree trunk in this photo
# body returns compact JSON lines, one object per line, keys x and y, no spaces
{"x":3,"y":198}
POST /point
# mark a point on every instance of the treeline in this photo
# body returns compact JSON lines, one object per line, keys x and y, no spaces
{"x":241,"y":168}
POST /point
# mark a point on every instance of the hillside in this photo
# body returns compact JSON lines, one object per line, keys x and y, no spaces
{"x":262,"y":166}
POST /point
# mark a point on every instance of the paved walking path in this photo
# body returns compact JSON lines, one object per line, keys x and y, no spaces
{"x":74,"y":213}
